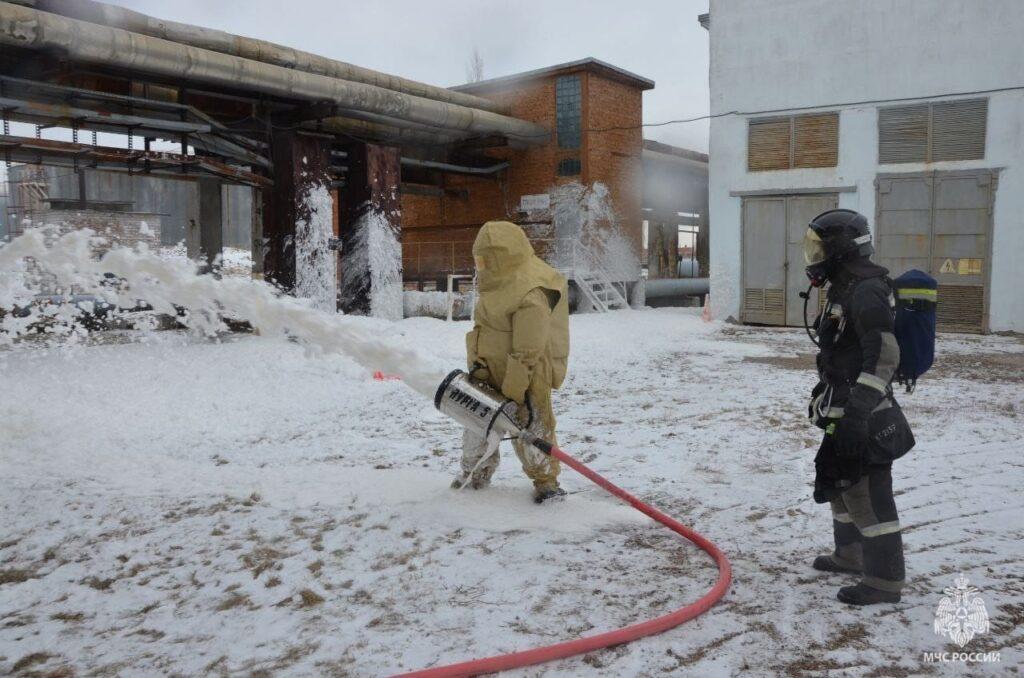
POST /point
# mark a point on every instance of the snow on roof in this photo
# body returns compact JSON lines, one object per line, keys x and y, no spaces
{"x":588,"y":63}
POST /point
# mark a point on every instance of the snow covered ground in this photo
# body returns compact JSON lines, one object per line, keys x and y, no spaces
{"x":176,"y":505}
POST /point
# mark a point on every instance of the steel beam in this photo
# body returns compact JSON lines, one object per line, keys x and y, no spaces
{"x":67,"y":154}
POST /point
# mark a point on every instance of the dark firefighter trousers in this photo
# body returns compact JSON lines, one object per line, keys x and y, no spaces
{"x":867,"y":530}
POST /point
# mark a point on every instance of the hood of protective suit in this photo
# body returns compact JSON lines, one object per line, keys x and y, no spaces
{"x":500,"y":251}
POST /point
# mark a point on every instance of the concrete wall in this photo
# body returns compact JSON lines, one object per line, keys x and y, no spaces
{"x":4,"y":228}
{"x":782,"y":55}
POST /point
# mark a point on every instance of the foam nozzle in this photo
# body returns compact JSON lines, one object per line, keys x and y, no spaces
{"x":476,"y":406}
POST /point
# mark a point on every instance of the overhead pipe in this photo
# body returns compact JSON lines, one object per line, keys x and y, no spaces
{"x":431,"y":164}
{"x":362,"y":129}
{"x":675,"y":287}
{"x":251,"y":48}
{"x":31,"y":29}
{"x":449,"y":167}
{"x":388,"y":127}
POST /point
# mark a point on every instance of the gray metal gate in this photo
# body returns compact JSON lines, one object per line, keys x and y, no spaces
{"x":773,"y":263}
{"x":940,"y":223}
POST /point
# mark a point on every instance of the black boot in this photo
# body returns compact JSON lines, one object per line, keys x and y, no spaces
{"x":862,"y":594}
{"x":543,"y":494}
{"x":828,"y":564}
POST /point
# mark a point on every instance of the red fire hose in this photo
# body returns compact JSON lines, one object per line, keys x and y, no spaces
{"x":624,"y":635}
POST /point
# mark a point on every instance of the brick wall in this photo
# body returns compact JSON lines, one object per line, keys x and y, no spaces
{"x":438,"y":230}
{"x":612,"y":157}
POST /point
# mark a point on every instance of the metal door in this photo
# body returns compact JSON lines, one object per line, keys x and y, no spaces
{"x":800,"y":209}
{"x":764,"y":260}
{"x":903,"y":223}
{"x":940,"y":223}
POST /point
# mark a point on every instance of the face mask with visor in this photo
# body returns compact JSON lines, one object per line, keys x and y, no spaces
{"x":816,"y":258}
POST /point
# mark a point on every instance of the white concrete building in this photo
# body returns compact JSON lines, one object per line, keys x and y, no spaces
{"x":908,"y":111}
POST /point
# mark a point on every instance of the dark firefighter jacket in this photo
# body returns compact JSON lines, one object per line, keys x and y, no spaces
{"x":858,"y":358}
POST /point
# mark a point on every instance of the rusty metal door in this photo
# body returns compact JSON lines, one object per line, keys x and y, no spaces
{"x":940,"y":223}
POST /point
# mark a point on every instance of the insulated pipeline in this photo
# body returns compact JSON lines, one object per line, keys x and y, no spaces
{"x":624,"y":635}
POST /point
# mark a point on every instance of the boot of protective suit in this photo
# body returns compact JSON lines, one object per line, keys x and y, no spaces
{"x":862,"y":594}
{"x":476,"y":482}
{"x":545,"y":493}
{"x":829,"y":563}
{"x":479,"y":480}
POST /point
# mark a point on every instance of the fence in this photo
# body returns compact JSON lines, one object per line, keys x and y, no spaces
{"x":422,"y":261}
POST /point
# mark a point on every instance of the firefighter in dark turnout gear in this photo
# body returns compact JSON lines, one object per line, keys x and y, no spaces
{"x":865,"y":429}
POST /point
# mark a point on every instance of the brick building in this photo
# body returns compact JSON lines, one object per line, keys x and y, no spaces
{"x":595,"y":111}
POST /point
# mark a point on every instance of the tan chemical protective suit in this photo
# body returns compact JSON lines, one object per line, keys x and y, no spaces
{"x":519,"y":343}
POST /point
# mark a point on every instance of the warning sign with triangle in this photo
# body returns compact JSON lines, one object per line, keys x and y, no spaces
{"x":947,"y":267}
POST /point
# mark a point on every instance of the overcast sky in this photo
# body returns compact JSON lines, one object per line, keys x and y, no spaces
{"x":432,"y":41}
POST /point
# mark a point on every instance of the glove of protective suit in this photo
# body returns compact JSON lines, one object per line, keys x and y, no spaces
{"x":524,"y":413}
{"x":479,"y":372}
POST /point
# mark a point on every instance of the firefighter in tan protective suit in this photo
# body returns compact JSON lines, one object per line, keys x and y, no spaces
{"x":519,"y":345}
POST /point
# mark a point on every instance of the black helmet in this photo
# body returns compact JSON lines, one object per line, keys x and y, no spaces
{"x":833,"y":237}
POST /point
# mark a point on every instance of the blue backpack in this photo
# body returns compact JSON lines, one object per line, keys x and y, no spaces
{"x":916,"y":294}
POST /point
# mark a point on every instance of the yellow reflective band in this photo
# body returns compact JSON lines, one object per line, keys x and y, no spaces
{"x":918,"y":293}
{"x":874,"y":382}
{"x":880,"y":529}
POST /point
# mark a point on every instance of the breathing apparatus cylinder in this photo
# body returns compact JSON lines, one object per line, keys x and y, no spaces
{"x":477,"y":406}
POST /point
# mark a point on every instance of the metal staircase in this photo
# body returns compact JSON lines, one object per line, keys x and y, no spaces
{"x":593,"y":281}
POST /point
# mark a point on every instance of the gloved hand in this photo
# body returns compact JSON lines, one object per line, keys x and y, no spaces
{"x":524,"y":412}
{"x":479,"y":371}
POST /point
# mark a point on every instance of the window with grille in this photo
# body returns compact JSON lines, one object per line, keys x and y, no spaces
{"x":569,"y":167}
{"x":932,"y":132}
{"x":568,"y":110}
{"x":794,"y":141}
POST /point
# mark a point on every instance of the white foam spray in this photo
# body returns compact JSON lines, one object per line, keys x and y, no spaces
{"x":315,"y":263}
{"x":375,"y":253}
{"x":170,"y":283}
{"x":586,"y":214}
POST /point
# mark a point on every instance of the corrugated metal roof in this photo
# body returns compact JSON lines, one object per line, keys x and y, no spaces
{"x":667,"y":149}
